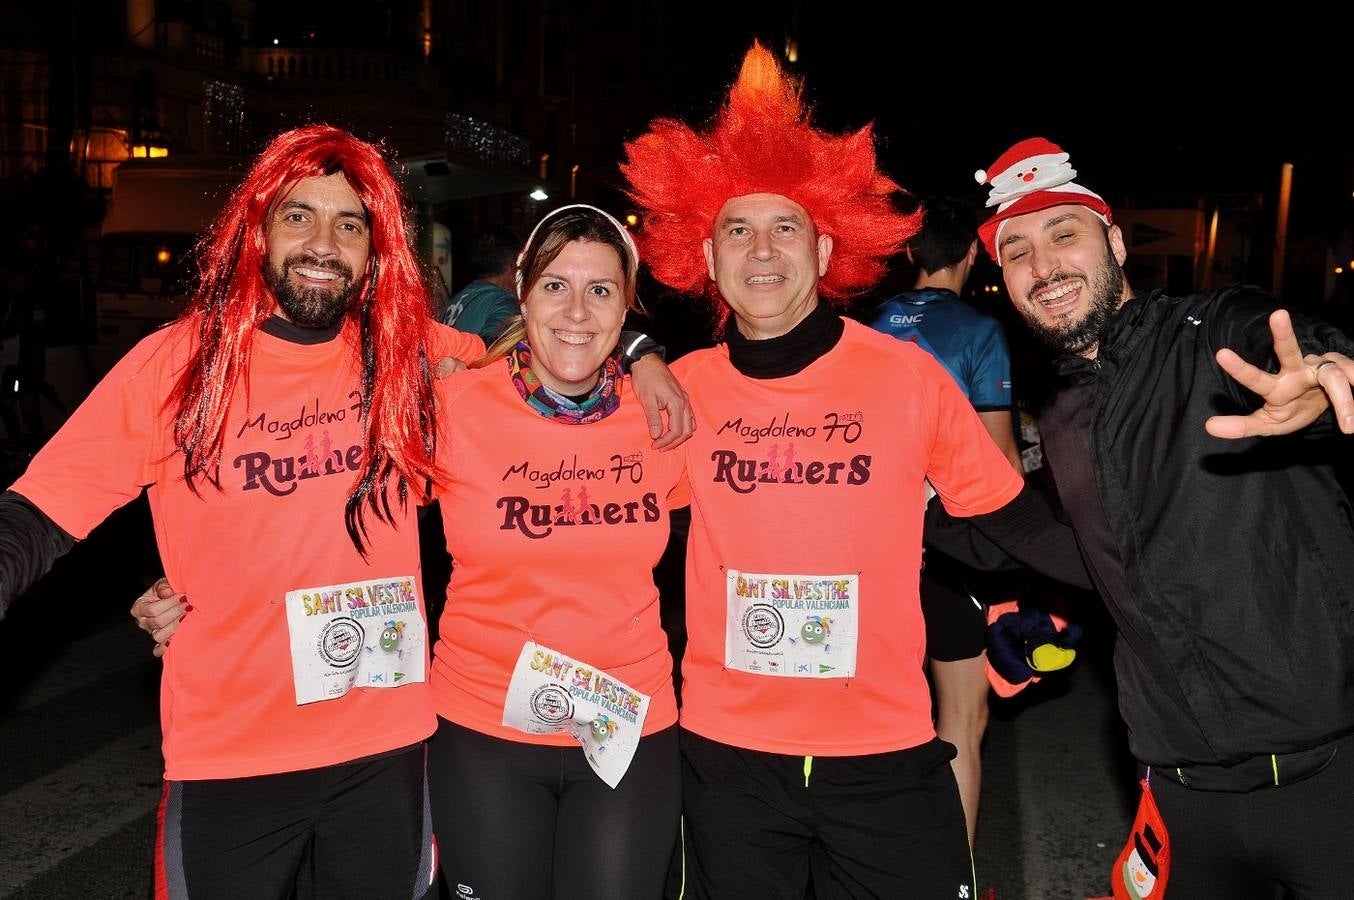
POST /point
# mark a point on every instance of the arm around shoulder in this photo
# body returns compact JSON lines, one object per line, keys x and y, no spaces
{"x":451,"y":343}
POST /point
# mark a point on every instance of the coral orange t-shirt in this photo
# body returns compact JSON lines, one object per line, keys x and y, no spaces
{"x":554,"y":530}
{"x":804,"y":625}
{"x":229,"y":698}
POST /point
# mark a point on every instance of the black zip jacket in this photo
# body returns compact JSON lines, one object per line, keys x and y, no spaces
{"x":1227,"y":565}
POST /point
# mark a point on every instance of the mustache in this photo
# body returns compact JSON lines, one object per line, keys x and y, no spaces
{"x":313,"y":262}
{"x":1047,"y":282}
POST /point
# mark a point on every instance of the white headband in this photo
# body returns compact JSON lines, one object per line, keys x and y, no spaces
{"x":624,"y":232}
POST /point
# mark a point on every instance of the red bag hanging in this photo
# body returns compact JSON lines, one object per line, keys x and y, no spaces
{"x":1144,"y":865}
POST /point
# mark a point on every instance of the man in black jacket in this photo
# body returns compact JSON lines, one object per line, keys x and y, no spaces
{"x":1227,"y":560}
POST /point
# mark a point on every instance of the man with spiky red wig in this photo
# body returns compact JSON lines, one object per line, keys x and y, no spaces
{"x":280,"y":427}
{"x":809,"y":753}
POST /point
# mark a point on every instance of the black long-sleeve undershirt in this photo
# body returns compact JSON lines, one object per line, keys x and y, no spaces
{"x":30,"y":543}
{"x":1023,"y":531}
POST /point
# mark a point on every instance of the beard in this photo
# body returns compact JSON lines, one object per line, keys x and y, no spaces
{"x":315,"y":307}
{"x":1106,"y":287}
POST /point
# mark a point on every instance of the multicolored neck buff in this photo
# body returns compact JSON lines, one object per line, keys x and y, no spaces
{"x":604,"y":399}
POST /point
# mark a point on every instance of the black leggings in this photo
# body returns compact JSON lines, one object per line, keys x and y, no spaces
{"x":517,"y":821}
{"x":350,"y":831}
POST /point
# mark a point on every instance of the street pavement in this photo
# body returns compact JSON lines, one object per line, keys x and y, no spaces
{"x":1058,"y":783}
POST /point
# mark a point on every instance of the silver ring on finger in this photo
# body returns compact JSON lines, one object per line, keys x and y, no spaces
{"x":1321,"y":365}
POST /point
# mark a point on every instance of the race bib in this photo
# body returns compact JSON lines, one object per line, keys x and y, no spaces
{"x":362,"y":634}
{"x":552,"y":693}
{"x":800,"y":626}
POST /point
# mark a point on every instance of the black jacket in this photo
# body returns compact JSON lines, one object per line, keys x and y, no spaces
{"x":1231,"y":573}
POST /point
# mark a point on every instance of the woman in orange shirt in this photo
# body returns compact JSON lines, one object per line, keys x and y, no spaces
{"x":554,"y":769}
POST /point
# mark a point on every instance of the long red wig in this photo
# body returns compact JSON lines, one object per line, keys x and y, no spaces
{"x":761,"y":141}
{"x":392,"y":319}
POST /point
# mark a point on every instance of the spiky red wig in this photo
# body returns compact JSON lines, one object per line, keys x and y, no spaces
{"x":392,"y":316}
{"x":762,"y":142}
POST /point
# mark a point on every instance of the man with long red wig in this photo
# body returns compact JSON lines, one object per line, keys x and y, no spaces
{"x":295,"y":386}
{"x":281,"y":426}
{"x":809,"y":753}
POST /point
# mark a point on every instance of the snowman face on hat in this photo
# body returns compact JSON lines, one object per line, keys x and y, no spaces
{"x":1031,"y":174}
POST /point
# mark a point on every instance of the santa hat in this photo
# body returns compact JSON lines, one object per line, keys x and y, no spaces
{"x":1032,"y":175}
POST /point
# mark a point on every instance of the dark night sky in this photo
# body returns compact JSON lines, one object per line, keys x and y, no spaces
{"x":1153,"y":112}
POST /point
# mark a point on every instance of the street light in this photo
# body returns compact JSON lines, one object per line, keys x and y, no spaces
{"x":538,"y":195}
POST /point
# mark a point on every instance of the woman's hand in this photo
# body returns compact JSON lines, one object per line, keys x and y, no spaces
{"x":158,"y":612}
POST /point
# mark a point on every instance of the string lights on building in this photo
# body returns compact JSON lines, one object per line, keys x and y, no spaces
{"x":485,"y":141}
{"x":223,"y":114}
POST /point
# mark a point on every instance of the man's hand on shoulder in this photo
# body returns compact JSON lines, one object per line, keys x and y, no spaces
{"x":662,"y":395}
{"x":447,"y":366}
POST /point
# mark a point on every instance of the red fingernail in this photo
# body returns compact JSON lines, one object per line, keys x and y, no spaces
{"x":187,"y":609}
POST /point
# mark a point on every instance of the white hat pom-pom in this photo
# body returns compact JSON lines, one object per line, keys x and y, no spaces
{"x":980,"y":176}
